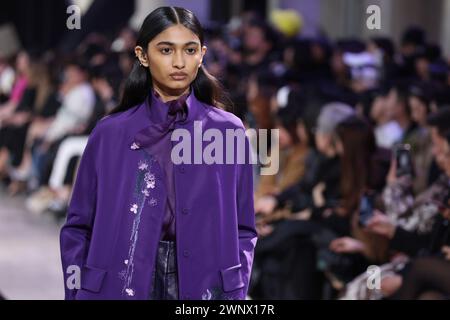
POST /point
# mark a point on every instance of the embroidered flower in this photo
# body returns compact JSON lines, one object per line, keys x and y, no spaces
{"x":134,"y":146}
{"x":207,"y":295}
{"x":153,"y":202}
{"x":143,"y":165}
{"x":134,"y":208}
{"x":129,"y":292}
{"x":125,"y":261}
{"x":150,"y":180}
{"x":216,"y":293}
{"x":149,"y":177}
{"x":145,"y":192}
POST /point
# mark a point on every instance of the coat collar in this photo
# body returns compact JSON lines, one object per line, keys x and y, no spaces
{"x":196,"y":110}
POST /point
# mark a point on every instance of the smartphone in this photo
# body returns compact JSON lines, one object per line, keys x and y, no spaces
{"x":404,"y":160}
{"x":366,"y":208}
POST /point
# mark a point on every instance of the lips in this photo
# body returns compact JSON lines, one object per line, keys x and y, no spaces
{"x":178,"y":75}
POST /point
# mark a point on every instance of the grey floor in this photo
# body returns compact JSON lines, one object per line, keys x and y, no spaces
{"x":30,"y":265}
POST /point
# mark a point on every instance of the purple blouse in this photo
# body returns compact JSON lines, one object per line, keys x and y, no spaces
{"x":163,"y":116}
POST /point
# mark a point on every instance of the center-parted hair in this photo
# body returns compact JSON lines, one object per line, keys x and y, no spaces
{"x":139,"y":82}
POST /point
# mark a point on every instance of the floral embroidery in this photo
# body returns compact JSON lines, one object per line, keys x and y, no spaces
{"x":149,"y":179}
{"x":207,"y":295}
{"x":153,"y":202}
{"x":129,"y":291}
{"x":134,"y":208}
{"x":144,"y":181}
{"x":134,"y":146}
{"x":143,"y":165}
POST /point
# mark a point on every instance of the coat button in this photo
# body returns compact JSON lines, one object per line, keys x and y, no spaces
{"x":184,"y":211}
{"x":186,"y":253}
{"x":182,"y":170}
{"x":186,"y":296}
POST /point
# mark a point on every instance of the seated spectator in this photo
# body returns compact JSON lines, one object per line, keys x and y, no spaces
{"x":420,"y":140}
{"x":55,"y":191}
{"x":413,"y":226}
{"x":7,"y":76}
{"x":294,"y":141}
{"x":42,"y":105}
{"x":387,"y":130}
{"x":397,"y":102}
{"x":78,"y":106}
{"x":20,"y":84}
{"x":7,"y":110}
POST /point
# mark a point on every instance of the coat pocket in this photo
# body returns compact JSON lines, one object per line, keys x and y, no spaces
{"x":92,"y":278}
{"x":232,"y":278}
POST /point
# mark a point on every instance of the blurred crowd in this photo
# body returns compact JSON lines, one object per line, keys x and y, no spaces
{"x":364,"y":134}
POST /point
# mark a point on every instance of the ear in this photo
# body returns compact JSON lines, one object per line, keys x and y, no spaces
{"x":204,"y":49}
{"x":337,"y":143}
{"x":141,"y":55}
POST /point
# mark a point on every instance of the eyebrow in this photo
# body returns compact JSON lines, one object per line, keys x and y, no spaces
{"x":168,"y":43}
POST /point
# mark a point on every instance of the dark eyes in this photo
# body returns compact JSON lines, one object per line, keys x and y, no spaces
{"x":170,"y":50}
{"x":166,"y":50}
{"x":191,"y":50}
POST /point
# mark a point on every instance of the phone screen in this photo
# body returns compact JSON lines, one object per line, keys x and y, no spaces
{"x":366,"y":209}
{"x":404,"y":161}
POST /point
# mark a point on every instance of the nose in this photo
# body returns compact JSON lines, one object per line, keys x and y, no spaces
{"x":178,"y":60}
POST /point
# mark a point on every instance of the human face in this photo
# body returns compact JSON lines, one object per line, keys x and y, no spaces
{"x":73,"y":75}
{"x":391,"y":101}
{"x":284,"y":137}
{"x":22,"y":62}
{"x":324,"y":144}
{"x":173,"y":58}
{"x":418,"y":110}
{"x":302,"y":133}
{"x":379,"y":112}
{"x":253,"y":38}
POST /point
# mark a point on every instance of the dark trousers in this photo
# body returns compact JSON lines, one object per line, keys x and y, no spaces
{"x":165,"y":276}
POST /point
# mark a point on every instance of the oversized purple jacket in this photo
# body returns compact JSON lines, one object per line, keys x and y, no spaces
{"x":117,"y":206}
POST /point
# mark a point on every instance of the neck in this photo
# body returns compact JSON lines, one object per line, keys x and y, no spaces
{"x":422,"y":123}
{"x":169,"y":94}
{"x":256,"y":56}
{"x":383,"y":120}
{"x":403,"y":122}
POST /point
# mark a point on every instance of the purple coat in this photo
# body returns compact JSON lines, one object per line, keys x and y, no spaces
{"x":116,"y":211}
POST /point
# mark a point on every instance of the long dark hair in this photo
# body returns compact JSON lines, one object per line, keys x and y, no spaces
{"x":357,"y":161}
{"x":139,"y":83}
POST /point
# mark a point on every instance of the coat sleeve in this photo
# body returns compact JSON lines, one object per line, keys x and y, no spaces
{"x":246,"y":219}
{"x":76,"y":233}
